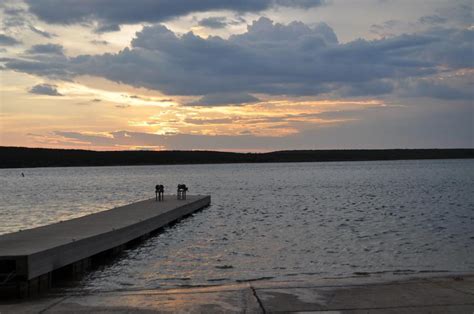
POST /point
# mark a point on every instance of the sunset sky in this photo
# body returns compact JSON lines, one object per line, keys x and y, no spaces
{"x":229,"y":75}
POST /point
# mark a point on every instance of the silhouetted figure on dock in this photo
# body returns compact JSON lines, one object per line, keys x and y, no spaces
{"x":160,"y":192}
{"x":182,"y":188}
{"x":22,"y":175}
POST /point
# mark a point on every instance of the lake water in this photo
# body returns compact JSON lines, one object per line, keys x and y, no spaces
{"x":282,"y":221}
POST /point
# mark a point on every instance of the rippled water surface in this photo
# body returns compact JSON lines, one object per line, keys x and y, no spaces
{"x":276,"y":221}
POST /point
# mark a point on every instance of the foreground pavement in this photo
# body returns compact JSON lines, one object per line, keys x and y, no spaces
{"x":449,"y":294}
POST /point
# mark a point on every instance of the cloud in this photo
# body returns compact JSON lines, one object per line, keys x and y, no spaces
{"x":174,"y":141}
{"x":214,"y":22}
{"x":47,"y":49}
{"x":439,"y":89}
{"x":19,"y":18}
{"x":6,"y":40}
{"x":432,"y":19}
{"x":107,"y":28}
{"x":224,"y":99}
{"x":209,"y":121}
{"x":370,"y":88}
{"x":99,"y":42}
{"x":45,"y":89}
{"x":269,"y":58}
{"x":42,"y":33}
{"x":117,"y":12}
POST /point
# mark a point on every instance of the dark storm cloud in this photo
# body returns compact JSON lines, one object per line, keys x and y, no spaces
{"x":46,"y":49}
{"x":269,"y":58}
{"x":116,"y":12}
{"x":45,"y":89}
{"x":6,"y":40}
{"x":214,"y":22}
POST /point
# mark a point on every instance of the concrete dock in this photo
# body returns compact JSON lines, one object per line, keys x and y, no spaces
{"x":427,"y":294}
{"x":29,"y":258}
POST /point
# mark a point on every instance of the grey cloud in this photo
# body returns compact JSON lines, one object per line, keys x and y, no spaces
{"x":224,"y":99}
{"x":306,"y":4}
{"x":432,"y":19}
{"x":42,"y":33}
{"x":45,"y":89}
{"x":149,"y":99}
{"x":47,"y":49}
{"x":99,"y":42}
{"x":209,"y":121}
{"x":269,"y":58}
{"x":6,"y":40}
{"x":116,"y":12}
{"x":107,"y":28}
{"x":214,"y":22}
{"x":19,"y":18}
{"x":459,"y":12}
{"x":437,"y":89}
{"x":12,"y":17}
{"x":54,"y":69}
{"x":370,"y":88}
{"x":385,"y":29}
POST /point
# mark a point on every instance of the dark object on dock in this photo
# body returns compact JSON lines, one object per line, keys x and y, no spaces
{"x":182,"y":188}
{"x":159,"y":192}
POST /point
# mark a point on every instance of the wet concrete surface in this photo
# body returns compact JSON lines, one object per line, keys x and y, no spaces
{"x":450,"y":294}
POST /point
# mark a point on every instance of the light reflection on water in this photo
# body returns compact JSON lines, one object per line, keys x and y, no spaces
{"x":278,"y":221}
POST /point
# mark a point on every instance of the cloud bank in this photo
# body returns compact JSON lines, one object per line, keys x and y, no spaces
{"x":269,"y":58}
{"x":117,"y":12}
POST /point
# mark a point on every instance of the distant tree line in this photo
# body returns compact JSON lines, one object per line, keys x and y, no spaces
{"x":21,"y":157}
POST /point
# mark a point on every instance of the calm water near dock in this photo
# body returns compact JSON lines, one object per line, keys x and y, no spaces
{"x":278,"y":221}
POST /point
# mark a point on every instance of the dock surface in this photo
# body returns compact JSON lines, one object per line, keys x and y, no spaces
{"x":35,"y":252}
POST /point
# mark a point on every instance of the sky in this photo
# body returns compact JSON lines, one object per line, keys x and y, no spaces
{"x":236,"y":75}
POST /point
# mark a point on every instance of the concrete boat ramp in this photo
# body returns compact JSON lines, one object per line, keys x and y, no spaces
{"x":425,"y":294}
{"x":30,"y":258}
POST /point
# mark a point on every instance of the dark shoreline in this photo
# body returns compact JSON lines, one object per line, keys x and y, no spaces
{"x":22,"y":157}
